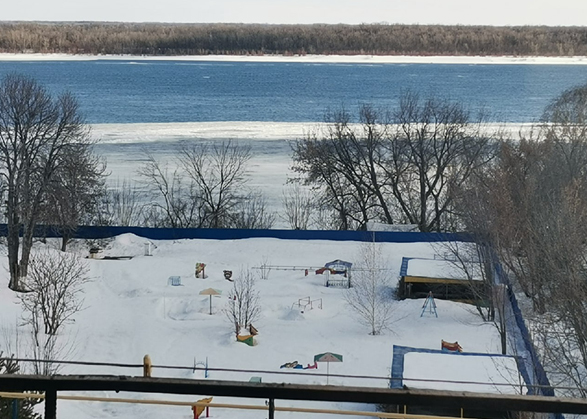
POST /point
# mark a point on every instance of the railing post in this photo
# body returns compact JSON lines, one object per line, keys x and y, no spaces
{"x":14,"y":408}
{"x":271,"y":409}
{"x":50,"y":404}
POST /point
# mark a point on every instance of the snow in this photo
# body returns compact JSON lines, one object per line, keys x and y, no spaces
{"x":131,"y":310}
{"x":499,"y":374}
{"x":436,"y":268}
{"x":318,"y":59}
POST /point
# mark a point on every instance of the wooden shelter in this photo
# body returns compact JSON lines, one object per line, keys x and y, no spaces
{"x":444,"y":278}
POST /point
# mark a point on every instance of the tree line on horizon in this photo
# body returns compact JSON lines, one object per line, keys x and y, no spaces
{"x":161,"y":39}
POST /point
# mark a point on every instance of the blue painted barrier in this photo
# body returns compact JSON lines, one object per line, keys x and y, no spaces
{"x":100,"y":232}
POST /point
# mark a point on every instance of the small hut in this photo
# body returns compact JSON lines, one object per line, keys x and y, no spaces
{"x":341,"y":269}
{"x":446,"y":280}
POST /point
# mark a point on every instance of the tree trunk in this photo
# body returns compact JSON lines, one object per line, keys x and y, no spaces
{"x":13,"y":247}
{"x":27,"y":245}
{"x":13,"y":243}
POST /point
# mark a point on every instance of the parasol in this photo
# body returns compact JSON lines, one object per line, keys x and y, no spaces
{"x":210,"y":292}
{"x":327,"y":357}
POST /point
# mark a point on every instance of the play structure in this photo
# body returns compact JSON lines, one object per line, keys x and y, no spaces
{"x":307,"y":303}
{"x":198,"y":365}
{"x":337,"y":267}
{"x":430,"y":305}
{"x":227,"y":275}
{"x":248,"y":339}
{"x":211,"y":292}
{"x":294,"y":365}
{"x":202,"y":404}
{"x":450,"y":347}
{"x":200,"y":270}
{"x":174,"y":281}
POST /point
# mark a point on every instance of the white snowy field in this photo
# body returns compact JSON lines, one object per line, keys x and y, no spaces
{"x":353,"y":59}
{"x":131,"y":310}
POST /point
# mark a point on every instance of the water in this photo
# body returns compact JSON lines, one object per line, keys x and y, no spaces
{"x":116,"y":91}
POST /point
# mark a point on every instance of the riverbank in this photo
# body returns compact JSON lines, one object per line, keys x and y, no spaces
{"x":311,"y":59}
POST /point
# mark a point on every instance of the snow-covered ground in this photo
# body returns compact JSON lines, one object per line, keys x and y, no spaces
{"x":132,"y":310}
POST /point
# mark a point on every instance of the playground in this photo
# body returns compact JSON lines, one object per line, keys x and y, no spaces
{"x":153,"y":305}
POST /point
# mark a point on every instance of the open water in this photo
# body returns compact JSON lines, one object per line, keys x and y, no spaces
{"x":117,"y":91}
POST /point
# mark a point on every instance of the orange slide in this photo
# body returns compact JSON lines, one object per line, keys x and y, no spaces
{"x":199,"y":409}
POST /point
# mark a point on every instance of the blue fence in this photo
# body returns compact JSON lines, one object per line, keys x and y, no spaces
{"x":99,"y":232}
{"x":539,"y":375}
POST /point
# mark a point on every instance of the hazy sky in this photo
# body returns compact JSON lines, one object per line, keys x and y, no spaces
{"x":468,"y":12}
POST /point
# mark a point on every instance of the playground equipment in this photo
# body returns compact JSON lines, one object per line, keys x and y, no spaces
{"x":200,"y":270}
{"x":327,"y":357}
{"x":211,"y":292}
{"x":174,"y":281}
{"x":249,"y":338}
{"x":307,"y":304}
{"x":246,"y":339}
{"x":201,"y":364}
{"x":202,"y":405}
{"x":294,"y":365}
{"x":336,"y":267}
{"x":96,"y":253}
{"x":227,"y":275}
{"x":450,"y":347}
{"x":429,"y":304}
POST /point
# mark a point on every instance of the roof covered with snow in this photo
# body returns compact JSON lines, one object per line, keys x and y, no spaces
{"x":437,"y":268}
{"x":438,"y":370}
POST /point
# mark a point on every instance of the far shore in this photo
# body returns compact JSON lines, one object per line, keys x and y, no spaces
{"x":317,"y":59}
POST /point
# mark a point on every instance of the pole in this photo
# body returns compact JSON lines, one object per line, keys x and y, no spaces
{"x":50,"y":404}
{"x":271,"y":409}
{"x":14,"y":408}
{"x":327,"y":371}
{"x":210,"y":304}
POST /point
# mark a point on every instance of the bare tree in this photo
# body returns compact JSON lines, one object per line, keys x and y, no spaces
{"x":55,"y":282}
{"x":207,"y":190}
{"x":174,"y":203}
{"x":122,"y":205}
{"x":399,"y":168}
{"x":218,"y":174}
{"x":435,"y":149}
{"x":36,"y":130}
{"x":250,"y":212}
{"x":75,"y":191}
{"x":370,"y":296}
{"x":530,"y":205}
{"x":341,"y":162}
{"x":243,"y":305}
{"x":298,"y":206}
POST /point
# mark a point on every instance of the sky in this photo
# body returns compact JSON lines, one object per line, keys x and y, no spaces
{"x":465,"y":12}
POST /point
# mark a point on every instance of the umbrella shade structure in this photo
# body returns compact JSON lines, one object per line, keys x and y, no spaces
{"x":211,"y":292}
{"x":327,"y":357}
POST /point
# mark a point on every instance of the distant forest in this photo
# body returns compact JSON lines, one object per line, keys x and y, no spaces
{"x":257,"y":39}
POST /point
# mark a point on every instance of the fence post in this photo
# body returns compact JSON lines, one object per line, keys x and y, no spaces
{"x":50,"y":404}
{"x":271,"y":408}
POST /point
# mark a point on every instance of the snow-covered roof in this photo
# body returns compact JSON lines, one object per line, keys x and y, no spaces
{"x":437,"y":268}
{"x":497,"y":373}
{"x":339,"y":264}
